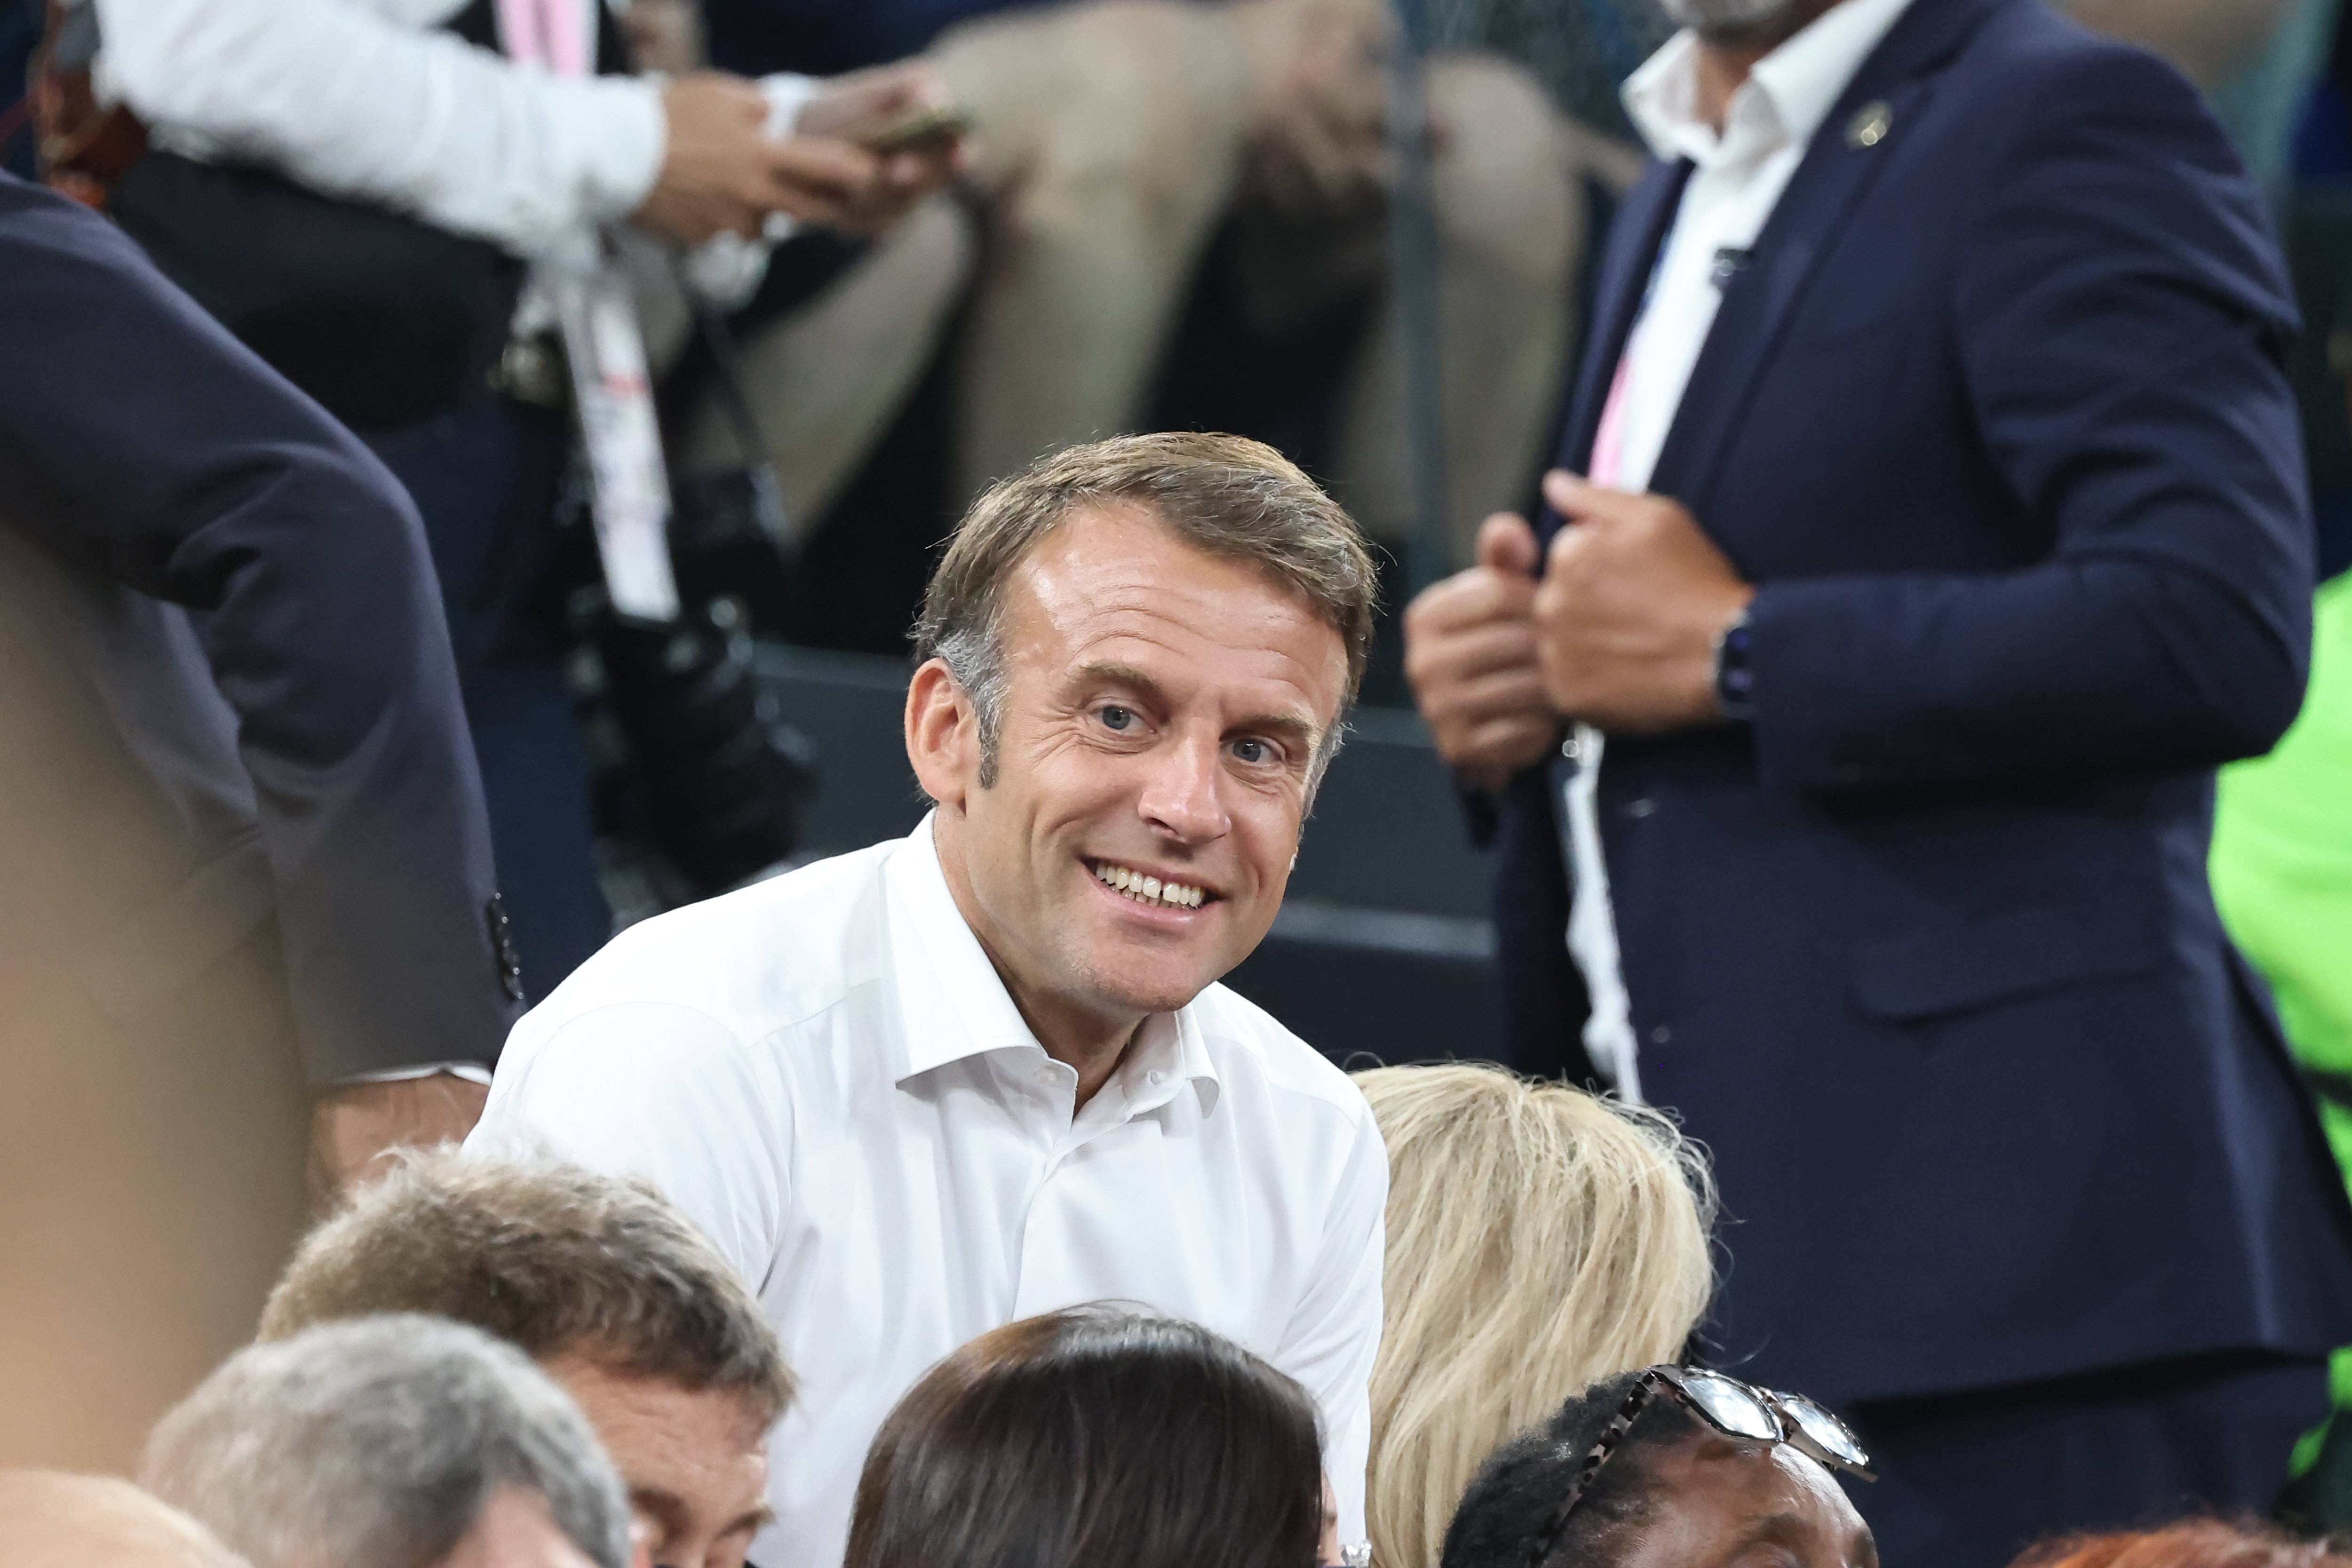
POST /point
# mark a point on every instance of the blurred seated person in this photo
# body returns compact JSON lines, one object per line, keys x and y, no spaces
{"x":1113,"y":142}
{"x":517,"y":123}
{"x":398,"y":1442}
{"x":610,"y":1290}
{"x":58,"y":1520}
{"x":1094,"y":1436}
{"x":1540,"y":1240}
{"x":1663,"y":1469}
{"x":2191,"y":1544}
{"x":245,"y":884}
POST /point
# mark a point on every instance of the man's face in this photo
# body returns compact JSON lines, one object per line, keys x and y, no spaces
{"x":1723,"y":1503}
{"x":696,"y":1464}
{"x":1161,"y":720}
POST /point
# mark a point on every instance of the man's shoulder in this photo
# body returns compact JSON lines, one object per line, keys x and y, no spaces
{"x":2052,"y":68}
{"x":1247,"y":1042}
{"x":754,"y":961}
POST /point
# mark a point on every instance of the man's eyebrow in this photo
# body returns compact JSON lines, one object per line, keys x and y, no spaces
{"x":758,"y":1519}
{"x":667,"y":1507}
{"x":1777,"y":1527}
{"x":1287,"y":726}
{"x":1125,"y":675}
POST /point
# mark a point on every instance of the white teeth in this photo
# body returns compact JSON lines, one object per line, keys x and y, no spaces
{"x":1146,"y":889}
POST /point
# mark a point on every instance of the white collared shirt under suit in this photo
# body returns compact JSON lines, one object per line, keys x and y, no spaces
{"x":1737,"y":178}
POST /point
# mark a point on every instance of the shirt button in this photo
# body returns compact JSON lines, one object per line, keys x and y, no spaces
{"x":1661,"y":1035}
{"x":1044,"y":1075}
{"x":1157,"y":1077}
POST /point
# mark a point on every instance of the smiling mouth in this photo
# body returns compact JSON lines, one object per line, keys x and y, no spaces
{"x":1148,"y":891}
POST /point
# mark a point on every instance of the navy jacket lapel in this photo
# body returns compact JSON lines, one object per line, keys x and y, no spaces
{"x":1643,"y":220}
{"x":1838,"y":169}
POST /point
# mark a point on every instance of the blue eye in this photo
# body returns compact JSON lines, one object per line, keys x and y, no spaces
{"x":1252,"y":750}
{"x":1116,"y":717}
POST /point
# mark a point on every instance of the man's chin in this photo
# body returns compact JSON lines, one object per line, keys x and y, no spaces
{"x":1128,"y":984}
{"x":1725,"y":17}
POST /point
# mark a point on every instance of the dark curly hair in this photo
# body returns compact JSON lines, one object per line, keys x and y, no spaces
{"x":1510,"y":1501}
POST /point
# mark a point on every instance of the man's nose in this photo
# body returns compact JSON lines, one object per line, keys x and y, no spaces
{"x":1185,"y":796}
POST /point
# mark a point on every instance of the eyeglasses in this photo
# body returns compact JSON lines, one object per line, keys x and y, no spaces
{"x":1732,"y":1408}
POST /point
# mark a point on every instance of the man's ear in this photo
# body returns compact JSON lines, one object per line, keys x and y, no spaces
{"x":942,"y":734}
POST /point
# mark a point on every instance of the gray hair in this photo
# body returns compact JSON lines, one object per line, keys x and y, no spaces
{"x":377,"y":1444}
{"x":1224,"y":495}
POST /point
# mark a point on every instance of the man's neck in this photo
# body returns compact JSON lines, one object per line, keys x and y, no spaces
{"x":1088,"y":1040}
{"x":1726,"y":55}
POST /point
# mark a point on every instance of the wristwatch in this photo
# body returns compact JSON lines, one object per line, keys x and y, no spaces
{"x":1735,"y":671}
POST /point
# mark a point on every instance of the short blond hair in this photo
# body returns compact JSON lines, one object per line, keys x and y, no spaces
{"x":550,"y":1258}
{"x":1539,"y":1239}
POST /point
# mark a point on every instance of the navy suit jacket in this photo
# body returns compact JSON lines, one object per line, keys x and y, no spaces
{"x":1996,"y":419}
{"x":226,"y":694}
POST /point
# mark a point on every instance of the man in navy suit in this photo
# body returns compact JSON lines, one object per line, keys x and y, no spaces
{"x":1931,"y":523}
{"x":244,"y":869}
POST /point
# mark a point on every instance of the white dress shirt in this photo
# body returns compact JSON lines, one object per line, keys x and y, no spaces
{"x":367,"y":98}
{"x":1736,"y":180}
{"x":826,"y":1073}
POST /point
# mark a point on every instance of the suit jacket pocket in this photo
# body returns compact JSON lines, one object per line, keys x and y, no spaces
{"x":1964,"y":964}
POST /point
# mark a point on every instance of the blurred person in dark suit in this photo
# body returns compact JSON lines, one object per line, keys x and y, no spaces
{"x":243,"y":854}
{"x":1932,"y":525}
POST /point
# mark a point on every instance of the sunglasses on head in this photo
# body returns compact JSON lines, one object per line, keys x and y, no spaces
{"x":1733,"y":1408}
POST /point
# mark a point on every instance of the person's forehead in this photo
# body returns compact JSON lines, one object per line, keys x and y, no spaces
{"x":607,"y":1392}
{"x":1729,"y":1489}
{"x":1117,"y":574}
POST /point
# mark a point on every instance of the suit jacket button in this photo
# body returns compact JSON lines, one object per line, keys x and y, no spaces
{"x":503,"y":956}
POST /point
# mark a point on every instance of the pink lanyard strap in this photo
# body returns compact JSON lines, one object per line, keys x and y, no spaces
{"x":1608,"y":458}
{"x":550,"y":34}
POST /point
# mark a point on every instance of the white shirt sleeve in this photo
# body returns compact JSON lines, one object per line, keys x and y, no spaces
{"x":472,"y":1072}
{"x":1337,"y":1332}
{"x":349,"y":101}
{"x":658,"y":1091}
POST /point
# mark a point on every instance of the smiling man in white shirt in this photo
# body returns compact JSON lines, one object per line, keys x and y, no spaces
{"x":985,"y":1071}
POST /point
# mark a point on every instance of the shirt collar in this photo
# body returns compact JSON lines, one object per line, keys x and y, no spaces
{"x":1783,"y":101}
{"x":952,"y":1003}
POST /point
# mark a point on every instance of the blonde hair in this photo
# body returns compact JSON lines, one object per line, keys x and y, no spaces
{"x":1539,"y":1239}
